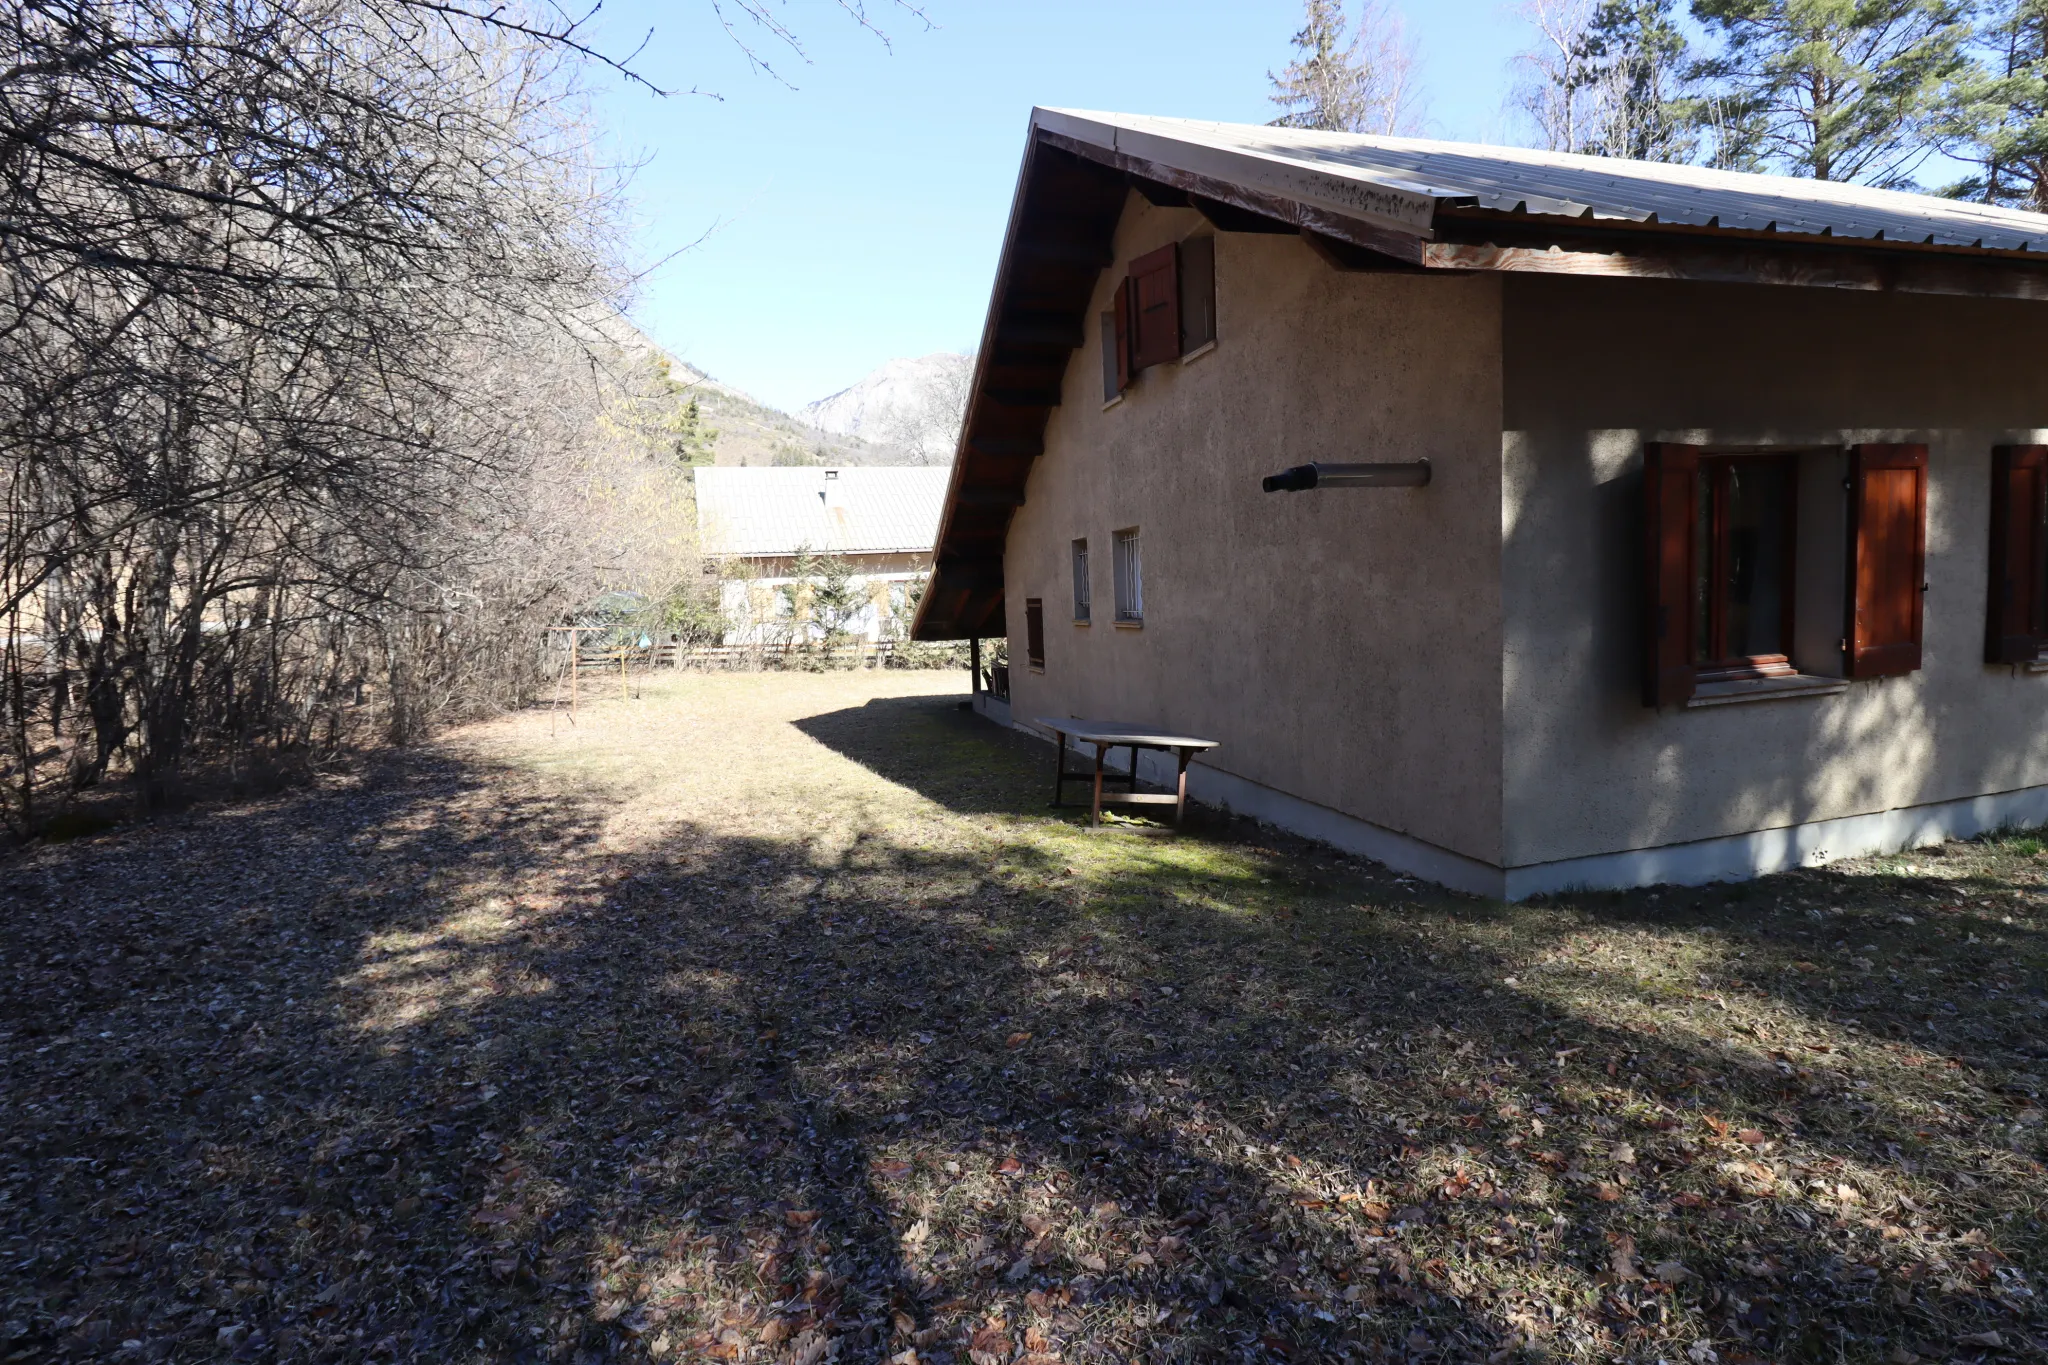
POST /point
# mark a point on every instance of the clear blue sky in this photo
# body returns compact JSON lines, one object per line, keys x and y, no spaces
{"x":859,"y":214}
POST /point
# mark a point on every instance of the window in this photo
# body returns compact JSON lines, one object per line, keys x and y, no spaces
{"x":1080,"y":582}
{"x":1130,"y":579}
{"x":1034,"y":633}
{"x":1164,"y":309}
{"x":1725,"y":536}
{"x":1116,"y":343}
{"x":2017,"y":625}
{"x":1197,"y":294}
{"x":1742,"y":567}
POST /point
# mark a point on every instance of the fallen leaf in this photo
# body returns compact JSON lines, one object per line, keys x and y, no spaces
{"x":1017,"y":1040}
{"x":892,"y":1169}
{"x":1622,"y":1256}
{"x":1009,"y":1166}
{"x":1990,"y":1339}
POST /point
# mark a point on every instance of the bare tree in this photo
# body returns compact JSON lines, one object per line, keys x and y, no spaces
{"x":1364,"y":85}
{"x":276,"y":277}
{"x":1558,"y":88}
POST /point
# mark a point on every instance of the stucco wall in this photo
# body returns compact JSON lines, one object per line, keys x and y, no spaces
{"x":1344,"y":646}
{"x":1593,"y":369}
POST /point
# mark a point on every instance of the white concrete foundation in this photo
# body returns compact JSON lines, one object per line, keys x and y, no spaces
{"x":1735,"y":857}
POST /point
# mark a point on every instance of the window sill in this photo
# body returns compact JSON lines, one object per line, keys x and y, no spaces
{"x":2036,"y":665}
{"x":1738,"y":690}
{"x":1112,"y":402}
{"x":1130,"y":625}
{"x":1192,"y":356}
{"x":1083,"y":621}
{"x":1035,"y":668}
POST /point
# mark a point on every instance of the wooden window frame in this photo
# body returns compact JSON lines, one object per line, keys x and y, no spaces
{"x":1083,"y":598}
{"x":1034,"y":633}
{"x":1720,"y":665}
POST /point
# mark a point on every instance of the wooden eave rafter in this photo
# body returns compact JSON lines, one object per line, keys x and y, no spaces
{"x":1474,"y":239}
{"x":1061,"y":234}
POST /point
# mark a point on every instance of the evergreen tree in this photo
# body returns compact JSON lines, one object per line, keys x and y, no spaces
{"x":1848,"y":90}
{"x":1364,"y":85}
{"x":1998,"y":121}
{"x":1640,"y":63}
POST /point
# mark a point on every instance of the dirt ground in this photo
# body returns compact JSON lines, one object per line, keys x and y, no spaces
{"x":777,"y":1018}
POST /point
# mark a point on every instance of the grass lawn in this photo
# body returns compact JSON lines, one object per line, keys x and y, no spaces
{"x":778,"y":1018}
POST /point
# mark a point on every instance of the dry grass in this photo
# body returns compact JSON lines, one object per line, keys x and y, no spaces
{"x":776,"y":1018}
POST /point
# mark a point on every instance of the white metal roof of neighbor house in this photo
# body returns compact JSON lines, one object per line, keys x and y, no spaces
{"x":780,"y":511}
{"x":1401,"y":181}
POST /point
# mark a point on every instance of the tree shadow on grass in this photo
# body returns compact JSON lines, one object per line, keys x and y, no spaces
{"x":714,"y":1098}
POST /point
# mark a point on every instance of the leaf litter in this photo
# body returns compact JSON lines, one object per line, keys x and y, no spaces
{"x":775,"y":1019}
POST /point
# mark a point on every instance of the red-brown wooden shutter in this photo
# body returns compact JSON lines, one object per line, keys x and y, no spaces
{"x":1155,"y":308}
{"x":2018,"y":597}
{"x":1123,"y":334}
{"x":1670,"y":493}
{"x":1887,"y":558}
{"x":1034,"y":631}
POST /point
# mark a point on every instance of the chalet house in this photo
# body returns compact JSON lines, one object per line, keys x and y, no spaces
{"x":755,"y":524}
{"x":1704,"y":530}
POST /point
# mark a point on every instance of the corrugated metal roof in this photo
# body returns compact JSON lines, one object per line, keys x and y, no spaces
{"x":1401,"y":181}
{"x":779,"y":511}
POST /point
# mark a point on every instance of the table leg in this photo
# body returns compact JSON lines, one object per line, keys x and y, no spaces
{"x":1059,"y":767}
{"x":1180,"y":804}
{"x":1096,"y":817}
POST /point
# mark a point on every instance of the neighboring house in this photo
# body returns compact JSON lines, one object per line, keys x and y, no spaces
{"x":755,"y":525}
{"x":1734,"y":550}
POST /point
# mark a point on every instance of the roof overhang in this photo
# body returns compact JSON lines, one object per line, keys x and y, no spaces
{"x":1078,"y":169}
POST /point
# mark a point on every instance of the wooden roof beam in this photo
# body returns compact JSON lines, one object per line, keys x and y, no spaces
{"x":1040,"y":329}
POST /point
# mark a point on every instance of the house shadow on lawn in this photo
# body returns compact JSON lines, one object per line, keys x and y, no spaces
{"x":416,"y":1071}
{"x":961,"y":760}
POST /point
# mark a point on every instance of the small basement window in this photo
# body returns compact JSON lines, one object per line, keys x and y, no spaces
{"x":1080,"y":582}
{"x":1034,"y":633}
{"x":1130,"y":579}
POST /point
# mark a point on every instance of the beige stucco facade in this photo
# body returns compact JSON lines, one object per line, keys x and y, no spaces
{"x":1453,"y":671}
{"x":1593,"y":370}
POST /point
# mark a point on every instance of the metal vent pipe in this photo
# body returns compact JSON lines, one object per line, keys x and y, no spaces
{"x":1301,"y":478}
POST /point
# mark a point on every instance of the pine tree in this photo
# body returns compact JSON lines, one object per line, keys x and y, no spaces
{"x":1365,"y":85}
{"x":1639,"y":61}
{"x":1998,"y":121}
{"x":1846,"y":90}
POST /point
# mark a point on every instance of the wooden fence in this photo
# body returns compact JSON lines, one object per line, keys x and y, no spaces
{"x":671,"y":654}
